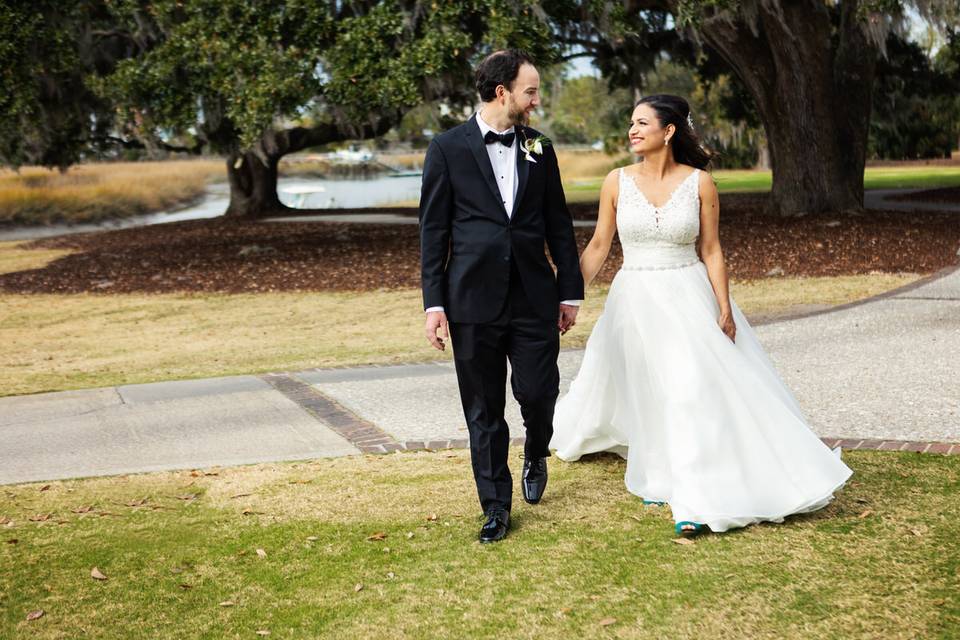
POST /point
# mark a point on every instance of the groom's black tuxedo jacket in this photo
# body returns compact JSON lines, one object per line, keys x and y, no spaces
{"x":467,"y":241}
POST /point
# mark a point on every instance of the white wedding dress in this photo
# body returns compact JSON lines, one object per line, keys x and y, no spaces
{"x":705,"y":424}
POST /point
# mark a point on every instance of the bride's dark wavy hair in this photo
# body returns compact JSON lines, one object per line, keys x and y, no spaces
{"x":686,"y":144}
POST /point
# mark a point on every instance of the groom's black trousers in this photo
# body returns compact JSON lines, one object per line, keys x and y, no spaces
{"x":480,"y":352}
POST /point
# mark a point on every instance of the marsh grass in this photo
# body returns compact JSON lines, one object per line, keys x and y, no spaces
{"x":880,"y":561}
{"x":99,"y":191}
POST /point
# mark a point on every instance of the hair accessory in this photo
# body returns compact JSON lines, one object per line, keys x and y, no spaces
{"x":690,"y":122}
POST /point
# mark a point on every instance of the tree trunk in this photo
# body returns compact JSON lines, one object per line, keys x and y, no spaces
{"x":253,"y":186}
{"x":763,"y":157}
{"x":253,"y":174}
{"x":811,"y":80}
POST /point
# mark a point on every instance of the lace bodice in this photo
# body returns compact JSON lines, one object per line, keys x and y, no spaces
{"x":661,"y":237}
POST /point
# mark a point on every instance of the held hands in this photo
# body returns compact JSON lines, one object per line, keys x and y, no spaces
{"x":727,"y":325}
{"x":568,"y":317}
{"x":437,"y":323}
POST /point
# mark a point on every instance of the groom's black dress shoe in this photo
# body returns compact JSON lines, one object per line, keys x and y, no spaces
{"x":534,"y":479}
{"x":496,"y":526}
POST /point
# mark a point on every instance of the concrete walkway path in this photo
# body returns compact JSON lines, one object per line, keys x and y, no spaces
{"x":880,"y":374}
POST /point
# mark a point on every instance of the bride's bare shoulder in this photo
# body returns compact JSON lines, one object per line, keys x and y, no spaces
{"x":612,"y":181}
{"x":706,"y":185}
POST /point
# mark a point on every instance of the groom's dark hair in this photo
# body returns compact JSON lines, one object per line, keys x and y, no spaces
{"x":500,"y":67}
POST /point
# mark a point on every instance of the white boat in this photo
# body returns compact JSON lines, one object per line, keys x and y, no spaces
{"x":301,"y":192}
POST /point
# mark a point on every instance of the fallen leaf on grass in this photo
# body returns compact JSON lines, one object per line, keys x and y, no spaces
{"x":683,"y":541}
{"x":44,"y":487}
{"x":916,"y":532}
{"x":240,"y":495}
{"x":409,"y":534}
{"x":227,"y":603}
{"x":379,"y":535}
{"x":865,"y":514}
{"x":185,"y":586}
{"x":358,"y":587}
{"x":12,"y":541}
{"x":5,"y":520}
{"x":300,"y":482}
{"x":86,"y":509}
{"x":34,"y":615}
{"x":137,"y":503}
{"x":565,"y":610}
{"x":187,"y":496}
{"x":261,"y":553}
{"x":262,"y":632}
{"x":432,"y":517}
{"x":606,"y":622}
{"x":40,"y":517}
{"x":96,"y":574}
{"x":391,"y":575}
{"x":250,"y":512}
{"x":312,"y":538}
{"x":637,"y":518}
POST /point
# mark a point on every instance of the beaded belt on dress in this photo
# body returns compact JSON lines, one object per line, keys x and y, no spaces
{"x":659,"y":258}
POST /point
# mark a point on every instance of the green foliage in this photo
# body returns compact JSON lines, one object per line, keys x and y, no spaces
{"x":47,"y":115}
{"x":253,"y":66}
{"x":233,"y":66}
{"x":585,"y":110}
{"x":916,"y":112}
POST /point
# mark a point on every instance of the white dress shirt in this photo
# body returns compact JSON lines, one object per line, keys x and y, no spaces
{"x":503,"y":161}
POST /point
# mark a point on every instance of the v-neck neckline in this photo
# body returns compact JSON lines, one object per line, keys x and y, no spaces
{"x":669,"y":199}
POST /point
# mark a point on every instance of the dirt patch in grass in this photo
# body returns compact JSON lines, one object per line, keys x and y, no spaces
{"x":232,"y":256}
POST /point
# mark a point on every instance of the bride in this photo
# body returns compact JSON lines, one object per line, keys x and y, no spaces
{"x":673,"y":378}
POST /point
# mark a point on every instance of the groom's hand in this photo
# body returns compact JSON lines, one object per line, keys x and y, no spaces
{"x":437,"y":323}
{"x":568,"y":317}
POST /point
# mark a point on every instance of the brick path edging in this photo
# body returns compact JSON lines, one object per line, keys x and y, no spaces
{"x":369,"y":438}
{"x":945,"y":448}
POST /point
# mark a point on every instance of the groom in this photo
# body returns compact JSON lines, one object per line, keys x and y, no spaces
{"x":491,"y":198}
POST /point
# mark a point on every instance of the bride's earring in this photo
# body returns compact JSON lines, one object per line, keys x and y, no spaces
{"x":666,"y":141}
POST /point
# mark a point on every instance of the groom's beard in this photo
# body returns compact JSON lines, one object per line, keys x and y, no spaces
{"x":518,"y":116}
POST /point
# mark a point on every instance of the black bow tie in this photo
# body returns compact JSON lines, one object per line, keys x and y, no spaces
{"x":506,"y":139}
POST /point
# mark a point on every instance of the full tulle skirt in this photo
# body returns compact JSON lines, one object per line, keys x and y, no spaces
{"x":705,"y":424}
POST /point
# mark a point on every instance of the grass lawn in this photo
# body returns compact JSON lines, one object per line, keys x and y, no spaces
{"x":739,"y":181}
{"x":384,"y":546}
{"x":57,"y":342}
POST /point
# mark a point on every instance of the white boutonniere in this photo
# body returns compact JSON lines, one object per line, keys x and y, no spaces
{"x":534,"y":146}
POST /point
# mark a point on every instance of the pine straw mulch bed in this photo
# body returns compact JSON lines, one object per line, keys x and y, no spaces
{"x":233,"y":256}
